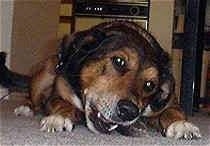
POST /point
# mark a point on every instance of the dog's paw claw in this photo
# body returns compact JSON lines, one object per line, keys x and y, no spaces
{"x":183,"y":129}
{"x":54,"y":123}
{"x":23,"y":111}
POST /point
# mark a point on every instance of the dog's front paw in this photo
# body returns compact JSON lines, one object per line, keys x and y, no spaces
{"x":23,"y":111}
{"x":55,"y":123}
{"x":183,"y":129}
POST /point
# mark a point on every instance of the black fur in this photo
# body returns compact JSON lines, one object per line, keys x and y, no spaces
{"x":11,"y":80}
{"x":77,"y":51}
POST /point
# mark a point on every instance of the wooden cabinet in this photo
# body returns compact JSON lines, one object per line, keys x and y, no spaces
{"x":35,"y":25}
{"x":66,"y":19}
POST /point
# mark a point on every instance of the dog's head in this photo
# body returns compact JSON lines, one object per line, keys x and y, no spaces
{"x":119,"y":71}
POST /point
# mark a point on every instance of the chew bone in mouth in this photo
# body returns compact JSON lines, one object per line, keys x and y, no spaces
{"x":100,"y":123}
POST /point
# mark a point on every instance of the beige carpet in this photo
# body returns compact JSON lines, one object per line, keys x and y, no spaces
{"x":25,"y":131}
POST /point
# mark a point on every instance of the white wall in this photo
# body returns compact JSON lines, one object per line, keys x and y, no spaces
{"x":161,"y":22}
{"x":6,"y":17}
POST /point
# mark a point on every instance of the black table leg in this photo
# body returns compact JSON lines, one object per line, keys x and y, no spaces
{"x":192,"y":54}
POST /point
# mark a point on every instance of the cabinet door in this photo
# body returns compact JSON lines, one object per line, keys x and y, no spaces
{"x":82,"y":23}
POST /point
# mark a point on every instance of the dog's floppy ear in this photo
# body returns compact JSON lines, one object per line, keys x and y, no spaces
{"x":76,"y":46}
{"x":67,"y":49}
{"x":74,"y":51}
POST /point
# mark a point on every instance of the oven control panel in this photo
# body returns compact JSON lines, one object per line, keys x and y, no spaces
{"x":131,"y":10}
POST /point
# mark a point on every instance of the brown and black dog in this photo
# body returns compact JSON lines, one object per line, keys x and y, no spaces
{"x":111,"y":76}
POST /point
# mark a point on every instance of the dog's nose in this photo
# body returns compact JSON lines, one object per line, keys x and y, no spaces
{"x":127,"y":110}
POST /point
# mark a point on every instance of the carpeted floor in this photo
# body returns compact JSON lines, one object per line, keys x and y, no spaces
{"x":25,"y":131}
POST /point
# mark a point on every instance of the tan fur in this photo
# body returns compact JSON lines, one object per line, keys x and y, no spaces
{"x":98,"y":76}
{"x":124,"y":76}
{"x":150,"y":73}
{"x":101,"y":78}
{"x":171,"y":115}
{"x":42,"y":82}
{"x":59,"y":106}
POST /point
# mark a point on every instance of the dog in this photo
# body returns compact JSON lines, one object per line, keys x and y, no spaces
{"x":113,"y":76}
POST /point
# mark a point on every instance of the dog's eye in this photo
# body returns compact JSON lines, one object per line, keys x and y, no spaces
{"x":149,"y":86}
{"x":119,"y":63}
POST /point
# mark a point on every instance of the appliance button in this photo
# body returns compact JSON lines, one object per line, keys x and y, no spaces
{"x":134,"y":11}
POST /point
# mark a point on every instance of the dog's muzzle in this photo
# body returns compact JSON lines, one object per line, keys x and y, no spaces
{"x":100,"y":123}
{"x":126,"y":112}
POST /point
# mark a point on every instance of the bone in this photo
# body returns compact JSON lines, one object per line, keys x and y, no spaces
{"x":113,"y":127}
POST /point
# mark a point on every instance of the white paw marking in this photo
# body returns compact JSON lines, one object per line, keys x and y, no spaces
{"x":55,"y":123}
{"x":183,"y":129}
{"x":23,"y":111}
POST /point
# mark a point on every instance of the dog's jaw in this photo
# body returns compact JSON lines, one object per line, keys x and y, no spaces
{"x":89,"y":123}
{"x":101,"y":116}
{"x":96,"y":122}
